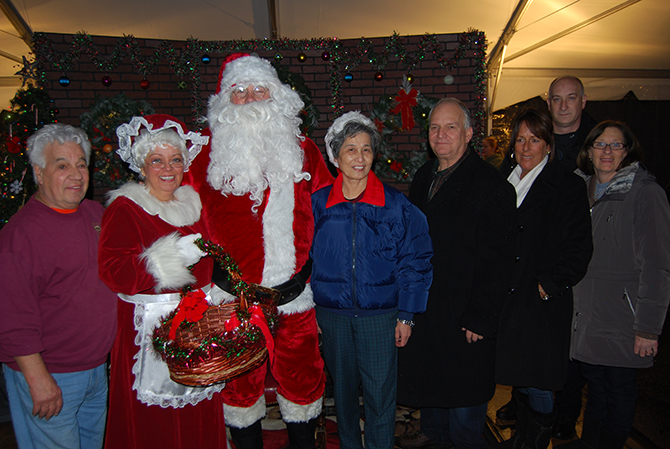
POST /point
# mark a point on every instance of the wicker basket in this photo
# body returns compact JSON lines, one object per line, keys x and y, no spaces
{"x":203,"y":353}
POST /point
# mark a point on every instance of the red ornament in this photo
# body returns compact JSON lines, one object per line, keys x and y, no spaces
{"x":107,"y":148}
{"x":145,"y":84}
{"x":106,"y":81}
{"x":379,"y":76}
{"x":14,"y":145}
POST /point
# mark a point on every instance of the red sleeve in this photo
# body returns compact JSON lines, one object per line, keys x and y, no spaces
{"x":121,"y":238}
{"x":316,"y":166}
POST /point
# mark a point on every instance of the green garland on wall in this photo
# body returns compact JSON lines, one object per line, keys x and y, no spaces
{"x":185,"y":61}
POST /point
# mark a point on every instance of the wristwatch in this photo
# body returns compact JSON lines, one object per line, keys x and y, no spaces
{"x":409,"y":323}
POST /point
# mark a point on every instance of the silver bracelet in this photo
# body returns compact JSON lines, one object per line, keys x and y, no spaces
{"x":409,"y":323}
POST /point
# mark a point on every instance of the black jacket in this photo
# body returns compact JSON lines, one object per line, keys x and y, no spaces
{"x":553,"y":248}
{"x":466,"y":218}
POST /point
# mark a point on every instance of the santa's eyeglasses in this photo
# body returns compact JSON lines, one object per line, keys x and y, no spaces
{"x":258,"y":92}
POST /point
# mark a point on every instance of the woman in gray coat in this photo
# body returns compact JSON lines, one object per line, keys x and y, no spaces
{"x":620,"y":306}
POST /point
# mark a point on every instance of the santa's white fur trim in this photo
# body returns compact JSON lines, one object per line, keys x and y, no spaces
{"x":302,"y":303}
{"x":292,"y":412}
{"x":278,"y":237}
{"x":166,"y":265}
{"x":241,"y":417}
{"x":183,"y":211}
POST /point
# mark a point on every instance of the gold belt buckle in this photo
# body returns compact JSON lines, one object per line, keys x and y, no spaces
{"x":265,"y":295}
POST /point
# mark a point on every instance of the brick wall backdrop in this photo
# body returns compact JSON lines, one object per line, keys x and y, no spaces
{"x":172,"y":94}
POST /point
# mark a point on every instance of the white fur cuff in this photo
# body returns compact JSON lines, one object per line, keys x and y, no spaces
{"x":166,"y":265}
{"x":241,"y":417}
{"x":292,"y":412}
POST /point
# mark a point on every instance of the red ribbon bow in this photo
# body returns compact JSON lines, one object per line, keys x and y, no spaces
{"x":258,"y":319}
{"x":405,"y":104}
{"x":191,"y":308}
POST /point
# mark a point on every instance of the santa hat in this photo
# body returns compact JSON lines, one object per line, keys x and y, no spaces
{"x":338,"y":126}
{"x":155,"y":123}
{"x":244,"y":70}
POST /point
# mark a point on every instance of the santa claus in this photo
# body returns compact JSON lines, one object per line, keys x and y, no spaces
{"x":255,"y":180}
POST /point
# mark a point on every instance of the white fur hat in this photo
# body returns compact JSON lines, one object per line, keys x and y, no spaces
{"x":337,"y":127}
{"x":244,"y":69}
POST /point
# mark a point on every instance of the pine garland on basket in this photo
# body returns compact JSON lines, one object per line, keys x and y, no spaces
{"x":205,"y":344}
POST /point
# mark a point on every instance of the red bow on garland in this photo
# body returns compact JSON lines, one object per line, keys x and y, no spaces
{"x":405,"y":104}
{"x":191,"y":308}
{"x":257,"y":318}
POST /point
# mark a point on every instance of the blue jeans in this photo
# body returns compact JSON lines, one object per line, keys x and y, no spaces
{"x":81,"y":422}
{"x":542,"y":401}
{"x":361,"y":351}
{"x":462,"y":426}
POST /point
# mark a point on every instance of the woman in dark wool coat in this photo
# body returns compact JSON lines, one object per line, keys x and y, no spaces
{"x":553,"y":249}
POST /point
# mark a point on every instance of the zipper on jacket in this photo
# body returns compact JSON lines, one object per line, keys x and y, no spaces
{"x":353,"y":257}
{"x":627,"y":297}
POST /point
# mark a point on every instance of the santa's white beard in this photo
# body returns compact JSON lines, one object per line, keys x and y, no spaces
{"x":254,"y":146}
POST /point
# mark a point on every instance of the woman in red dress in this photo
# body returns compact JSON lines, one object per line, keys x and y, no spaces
{"x":146,"y":245}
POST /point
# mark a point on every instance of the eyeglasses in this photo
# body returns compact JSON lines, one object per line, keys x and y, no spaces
{"x":258,"y":92}
{"x":614,"y":146}
{"x":159,"y":164}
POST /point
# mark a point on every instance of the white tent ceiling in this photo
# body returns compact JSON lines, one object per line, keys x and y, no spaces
{"x":613,"y":45}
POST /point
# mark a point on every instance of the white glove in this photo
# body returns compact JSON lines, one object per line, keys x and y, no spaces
{"x":189,"y":252}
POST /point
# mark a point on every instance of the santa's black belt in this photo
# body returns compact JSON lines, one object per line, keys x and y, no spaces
{"x":285,"y":292}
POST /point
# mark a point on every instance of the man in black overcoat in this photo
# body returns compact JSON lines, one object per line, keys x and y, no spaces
{"x":447,"y":368}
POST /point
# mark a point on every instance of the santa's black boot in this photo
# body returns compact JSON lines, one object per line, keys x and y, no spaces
{"x":301,"y":435}
{"x":248,"y":437}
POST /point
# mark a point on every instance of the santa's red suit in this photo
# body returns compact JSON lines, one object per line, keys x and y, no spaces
{"x":281,"y":229}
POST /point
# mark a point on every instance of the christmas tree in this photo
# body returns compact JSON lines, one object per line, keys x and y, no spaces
{"x":31,"y":108}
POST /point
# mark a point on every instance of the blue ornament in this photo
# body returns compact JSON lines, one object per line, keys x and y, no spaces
{"x":205,"y":59}
{"x":348,"y":77}
{"x":64,"y":81}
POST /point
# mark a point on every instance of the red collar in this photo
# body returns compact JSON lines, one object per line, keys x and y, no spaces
{"x":374,"y":192}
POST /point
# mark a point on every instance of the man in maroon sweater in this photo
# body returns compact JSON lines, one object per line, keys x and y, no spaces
{"x":58,"y":319}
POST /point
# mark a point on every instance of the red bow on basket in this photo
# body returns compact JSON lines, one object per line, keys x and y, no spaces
{"x":191,"y":308}
{"x":257,"y":318}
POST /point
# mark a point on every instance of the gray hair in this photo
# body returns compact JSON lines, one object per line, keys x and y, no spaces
{"x":354,"y":128}
{"x":466,"y":112}
{"x":147,"y":142}
{"x":56,"y":133}
{"x":349,"y":125}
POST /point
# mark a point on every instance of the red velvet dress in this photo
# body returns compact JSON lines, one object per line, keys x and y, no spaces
{"x":127,"y":230}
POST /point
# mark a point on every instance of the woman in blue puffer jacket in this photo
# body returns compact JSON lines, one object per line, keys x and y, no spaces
{"x":371,"y":274}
